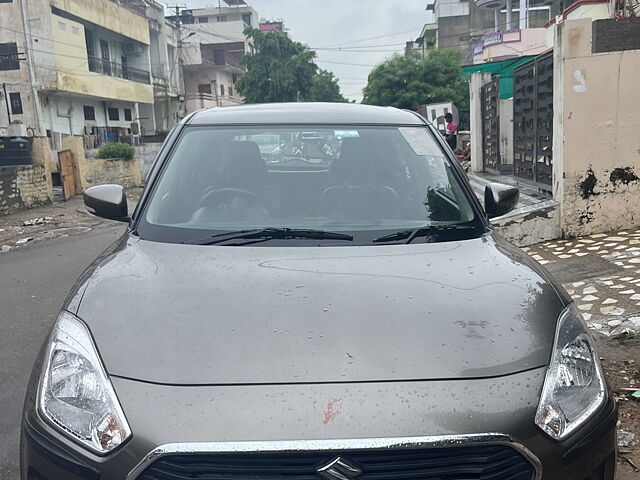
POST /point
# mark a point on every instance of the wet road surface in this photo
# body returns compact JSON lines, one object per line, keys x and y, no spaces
{"x":34,"y":281}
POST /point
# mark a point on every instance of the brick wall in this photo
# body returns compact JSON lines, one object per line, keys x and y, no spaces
{"x":23,"y":187}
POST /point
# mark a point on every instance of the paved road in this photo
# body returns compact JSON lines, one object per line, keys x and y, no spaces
{"x":34,"y":281}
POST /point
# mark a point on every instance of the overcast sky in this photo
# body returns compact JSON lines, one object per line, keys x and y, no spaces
{"x":382,"y":26}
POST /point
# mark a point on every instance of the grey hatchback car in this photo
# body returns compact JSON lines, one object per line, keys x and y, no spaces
{"x":307,"y":292}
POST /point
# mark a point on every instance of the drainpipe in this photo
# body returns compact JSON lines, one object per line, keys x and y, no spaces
{"x":496,"y":20}
{"x":30,"y":62}
{"x":509,"y":14}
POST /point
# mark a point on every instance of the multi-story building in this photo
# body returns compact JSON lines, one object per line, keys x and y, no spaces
{"x":75,"y":67}
{"x":166,"y":71}
{"x":272,"y":26}
{"x":214,"y":42}
{"x":472,"y":26}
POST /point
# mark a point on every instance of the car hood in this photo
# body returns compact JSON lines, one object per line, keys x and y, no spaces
{"x":205,"y":315}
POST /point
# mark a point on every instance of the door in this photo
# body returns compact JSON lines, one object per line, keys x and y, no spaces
{"x":67,"y":174}
{"x":106,"y":59}
{"x":125,"y":67}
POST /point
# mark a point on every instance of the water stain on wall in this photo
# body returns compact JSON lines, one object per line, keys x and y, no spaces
{"x":588,"y":185}
{"x":623,"y":175}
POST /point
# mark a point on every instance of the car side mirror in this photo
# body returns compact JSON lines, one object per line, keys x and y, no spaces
{"x":107,"y":201}
{"x":500,"y":199}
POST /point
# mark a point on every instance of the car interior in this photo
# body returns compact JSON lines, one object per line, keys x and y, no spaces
{"x":227,"y":178}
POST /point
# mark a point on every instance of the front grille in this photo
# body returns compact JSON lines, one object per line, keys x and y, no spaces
{"x":481,"y":462}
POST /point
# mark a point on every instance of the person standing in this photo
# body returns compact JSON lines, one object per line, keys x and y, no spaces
{"x":451,"y":134}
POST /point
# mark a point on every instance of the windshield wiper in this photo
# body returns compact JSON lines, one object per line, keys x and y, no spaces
{"x":409,"y":235}
{"x":269,"y":233}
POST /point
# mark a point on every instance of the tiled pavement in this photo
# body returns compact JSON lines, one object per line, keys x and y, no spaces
{"x":602,"y":274}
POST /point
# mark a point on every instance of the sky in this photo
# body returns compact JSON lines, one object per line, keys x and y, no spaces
{"x":366,"y":31}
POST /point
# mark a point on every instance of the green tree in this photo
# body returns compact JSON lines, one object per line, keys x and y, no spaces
{"x":406,"y":82}
{"x":281,"y":70}
{"x":325,"y":88}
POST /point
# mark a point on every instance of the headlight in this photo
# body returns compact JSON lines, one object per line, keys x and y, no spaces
{"x":75,"y":392}
{"x":574,"y":387}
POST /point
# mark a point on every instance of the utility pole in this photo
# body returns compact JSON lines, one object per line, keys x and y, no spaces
{"x":35,"y":97}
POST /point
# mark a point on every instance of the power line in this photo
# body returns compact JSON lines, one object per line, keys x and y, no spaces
{"x":357,"y":51}
{"x":370,"y":38}
{"x":349,"y":64}
{"x":359,"y":46}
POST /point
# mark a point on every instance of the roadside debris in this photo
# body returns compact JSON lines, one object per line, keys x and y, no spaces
{"x":39,"y":221}
{"x":625,"y":440}
{"x":23,"y":241}
{"x":5,"y":248}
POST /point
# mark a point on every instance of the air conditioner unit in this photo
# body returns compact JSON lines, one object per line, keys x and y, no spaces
{"x":132,"y":48}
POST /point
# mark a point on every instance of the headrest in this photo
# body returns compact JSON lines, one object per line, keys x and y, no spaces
{"x":242,"y":165}
{"x":361,"y":162}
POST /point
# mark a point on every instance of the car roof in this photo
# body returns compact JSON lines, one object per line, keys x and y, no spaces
{"x":304,"y":113}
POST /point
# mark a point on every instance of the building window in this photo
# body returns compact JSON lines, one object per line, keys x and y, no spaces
{"x":230,"y":91}
{"x":88,"y":40}
{"x":218,"y":57}
{"x":6,"y":1}
{"x":222,"y":90}
{"x":89,"y":113}
{"x":203,"y":19}
{"x":16,"y":103}
{"x":127,"y":114}
{"x":246,"y":18}
{"x":114,"y":114}
{"x":204,"y":88}
{"x":221,"y":18}
{"x":9,"y":56}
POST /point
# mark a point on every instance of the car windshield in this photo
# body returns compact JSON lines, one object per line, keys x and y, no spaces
{"x":362,"y":180}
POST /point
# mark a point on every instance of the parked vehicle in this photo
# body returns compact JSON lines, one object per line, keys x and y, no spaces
{"x":350,"y":316}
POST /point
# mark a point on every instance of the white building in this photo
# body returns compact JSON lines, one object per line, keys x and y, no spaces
{"x":214,"y":42}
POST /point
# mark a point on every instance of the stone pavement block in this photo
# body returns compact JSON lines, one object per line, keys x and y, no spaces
{"x":602,"y":274}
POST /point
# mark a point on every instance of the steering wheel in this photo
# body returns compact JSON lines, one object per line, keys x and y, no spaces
{"x":227,"y":195}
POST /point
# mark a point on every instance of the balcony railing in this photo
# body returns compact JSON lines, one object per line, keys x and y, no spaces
{"x":113,"y":69}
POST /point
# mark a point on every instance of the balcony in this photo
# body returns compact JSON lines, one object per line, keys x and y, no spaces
{"x":113,"y":69}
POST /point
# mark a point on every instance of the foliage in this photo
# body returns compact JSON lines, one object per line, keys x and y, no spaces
{"x":117,"y":150}
{"x":407,"y":82}
{"x":281,"y":70}
{"x":325,"y":88}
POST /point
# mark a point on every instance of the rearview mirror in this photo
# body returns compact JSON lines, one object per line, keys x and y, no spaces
{"x":500,"y":199}
{"x":107,"y":201}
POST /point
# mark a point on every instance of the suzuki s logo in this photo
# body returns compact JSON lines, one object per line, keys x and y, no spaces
{"x":339,"y":469}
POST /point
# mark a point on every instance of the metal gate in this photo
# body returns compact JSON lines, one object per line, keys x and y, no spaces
{"x":533,"y":121}
{"x":491,"y":125}
{"x":67,"y":174}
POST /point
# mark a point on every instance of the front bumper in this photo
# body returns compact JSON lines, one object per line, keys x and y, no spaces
{"x":332,"y":418}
